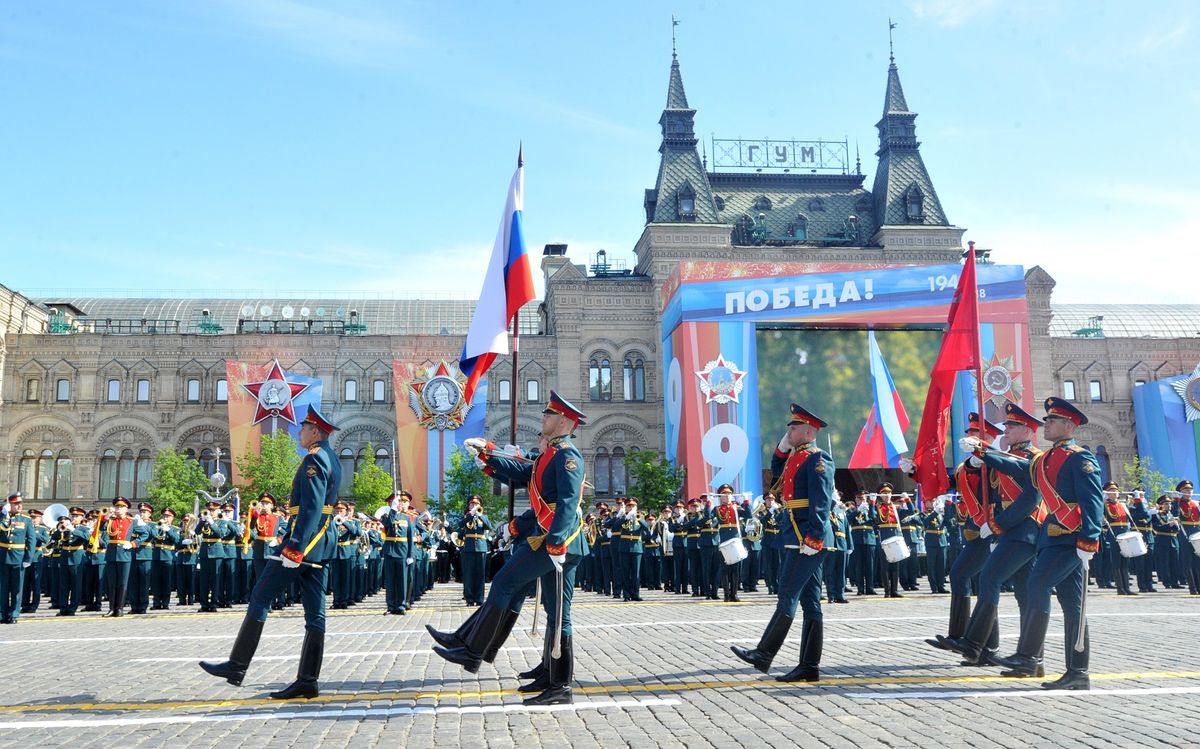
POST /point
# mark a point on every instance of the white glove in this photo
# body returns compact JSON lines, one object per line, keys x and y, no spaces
{"x":558,"y":560}
{"x":507,"y":532}
{"x":992,"y":546}
{"x":186,"y":542}
{"x":410,"y":560}
{"x":288,"y":563}
{"x":69,"y":525}
{"x":512,"y":450}
{"x":970,"y":444}
{"x":808,"y":551}
{"x":6,"y":509}
{"x":608,"y":532}
{"x":906,"y":465}
{"x":784,"y":446}
{"x":863,"y":506}
{"x":475,"y":445}
{"x":974,"y":461}
{"x":479,"y":463}
{"x":25,"y":565}
{"x":126,"y":545}
{"x":1084,"y":556}
{"x":273,"y":543}
{"x":985,"y":530}
{"x":1152,"y":511}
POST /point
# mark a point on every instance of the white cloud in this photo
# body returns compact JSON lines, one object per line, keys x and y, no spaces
{"x":951,"y":13}
{"x":1166,"y":34}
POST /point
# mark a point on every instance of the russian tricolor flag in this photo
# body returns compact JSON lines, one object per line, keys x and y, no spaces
{"x":881,"y":442}
{"x":507,"y":286}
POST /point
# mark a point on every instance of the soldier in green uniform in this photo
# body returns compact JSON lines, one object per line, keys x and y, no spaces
{"x":307,"y":546}
{"x":679,"y":554}
{"x":17,"y":543}
{"x":804,"y":475}
{"x":633,"y":532}
{"x":473,"y":531}
{"x":936,"y":544}
{"x":230,"y":534}
{"x":185,"y":562}
{"x":93,"y":566}
{"x":142,"y":561}
{"x":772,"y":515}
{"x":210,"y":534}
{"x":31,"y":595}
{"x":397,"y":551}
{"x":71,"y":537}
{"x":836,"y":553}
{"x":162,"y":570}
{"x":553,"y":551}
{"x":341,"y":564}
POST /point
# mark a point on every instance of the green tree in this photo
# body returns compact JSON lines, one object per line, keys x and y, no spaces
{"x":372,"y":485}
{"x":1141,"y":473}
{"x":176,"y":480}
{"x":653,"y":480}
{"x":463,"y":479}
{"x":273,"y":469}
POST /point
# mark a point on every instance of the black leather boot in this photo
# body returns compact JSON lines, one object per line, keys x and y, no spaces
{"x":234,"y":669}
{"x":768,"y":645}
{"x":1076,"y":676}
{"x":502,"y":632}
{"x":539,"y":673}
{"x":1033,"y":634}
{"x":312,"y":652}
{"x":117,"y":602}
{"x":973,"y":642}
{"x":562,"y":671}
{"x":960,"y":615}
{"x":476,"y":642}
{"x":453,"y":639}
{"x":812,"y":639}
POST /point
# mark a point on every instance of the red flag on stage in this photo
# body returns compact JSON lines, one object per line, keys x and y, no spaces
{"x":959,"y":351}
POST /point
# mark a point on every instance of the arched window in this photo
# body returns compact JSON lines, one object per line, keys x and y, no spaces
{"x":222,"y":391}
{"x":505,"y":391}
{"x":114,"y":391}
{"x":618,"y":471}
{"x":33,"y":390}
{"x":360,"y":458}
{"x":27,"y":474}
{"x":914,"y":204}
{"x":126,"y":474}
{"x":64,"y":475}
{"x":208,"y":461}
{"x":193,"y":391}
{"x":533,"y":391}
{"x":378,"y":394}
{"x":635,"y":379}
{"x":45,"y":475}
{"x":686,"y":203}
{"x":62,"y":391}
{"x":143,"y":390}
{"x":346,"y":458}
{"x":143,"y":473}
{"x":602,"y":470}
{"x":762,"y":203}
{"x":108,"y":474}
{"x":600,"y":380}
{"x":351,"y":391}
{"x":799,"y":228}
{"x":383,"y":460}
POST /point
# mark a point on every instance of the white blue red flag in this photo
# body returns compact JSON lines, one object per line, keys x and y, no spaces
{"x":507,"y":286}
{"x":881,"y":442}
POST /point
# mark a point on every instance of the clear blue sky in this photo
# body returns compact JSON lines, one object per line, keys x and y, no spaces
{"x":278,"y":144}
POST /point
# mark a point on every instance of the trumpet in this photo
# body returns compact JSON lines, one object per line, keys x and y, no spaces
{"x":753,"y":530}
{"x":456,"y":540}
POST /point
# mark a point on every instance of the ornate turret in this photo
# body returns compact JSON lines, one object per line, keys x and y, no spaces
{"x":903,"y":191}
{"x":682,"y":193}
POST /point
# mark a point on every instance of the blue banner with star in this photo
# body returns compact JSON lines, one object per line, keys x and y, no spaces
{"x":1167,"y":420}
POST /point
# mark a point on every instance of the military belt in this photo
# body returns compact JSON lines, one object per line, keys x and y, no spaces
{"x":771,"y":530}
{"x":1164,"y":533}
{"x":294,"y":510}
{"x":728,"y":525}
{"x":708,"y":530}
{"x":862,"y":528}
{"x":476,"y":535}
{"x":936,"y":532}
{"x":11,"y":546}
{"x":796,"y":504}
{"x":347,"y":543}
{"x":1056,"y":531}
{"x":630,"y":538}
{"x":401,"y":539}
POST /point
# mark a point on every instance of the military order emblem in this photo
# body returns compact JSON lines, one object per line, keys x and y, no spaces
{"x":1188,"y":389}
{"x":436,"y":397}
{"x":571,"y":464}
{"x":275,"y":395}
{"x":721,"y":381}
{"x":1002,"y":380}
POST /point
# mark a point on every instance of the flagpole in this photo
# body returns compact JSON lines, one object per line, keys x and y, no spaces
{"x":984,"y":483}
{"x":512,"y":392}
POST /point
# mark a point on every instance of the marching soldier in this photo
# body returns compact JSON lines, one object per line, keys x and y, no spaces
{"x":913,"y":532}
{"x":632,"y":531}
{"x":1139,"y":515}
{"x":228,"y":561}
{"x":555,"y":482}
{"x":94,"y":578}
{"x":305,"y":549}
{"x":771,"y":518}
{"x":973,"y":482}
{"x":347,"y":540}
{"x":264,"y":538}
{"x":888,"y":525}
{"x":162,"y":571}
{"x":1013,"y":528}
{"x":803,"y":474}
{"x":679,"y":552}
{"x":243,"y":557}
{"x":473,"y":532}
{"x":752,"y":569}
{"x":1117,"y":521}
{"x":209,"y":554}
{"x":32,"y":587}
{"x":653,"y":544}
{"x":17,"y":543}
{"x":1068,"y":478}
{"x":727,"y":517}
{"x":397,"y":553}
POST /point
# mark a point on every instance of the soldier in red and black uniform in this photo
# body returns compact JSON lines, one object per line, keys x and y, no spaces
{"x":1068,"y":478}
{"x":118,"y":555}
{"x":1116,"y":517}
{"x":1188,"y":512}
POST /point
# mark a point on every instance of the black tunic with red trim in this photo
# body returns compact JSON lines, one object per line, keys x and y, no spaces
{"x":806,"y":494}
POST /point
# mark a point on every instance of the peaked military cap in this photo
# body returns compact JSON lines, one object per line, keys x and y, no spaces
{"x":315,"y":418}
{"x":801,"y":415}
{"x":1065,"y":410}
{"x":1014,"y":414}
{"x":973,"y":423}
{"x":563,"y":407}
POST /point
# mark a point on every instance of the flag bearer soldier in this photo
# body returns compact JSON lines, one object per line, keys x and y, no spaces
{"x":1188,"y":513}
{"x":71,"y":536}
{"x":1068,"y":478}
{"x":211,"y":531}
{"x":119,"y":554}
{"x":308,"y":545}
{"x":397,"y":551}
{"x":93,"y":567}
{"x":936,"y":544}
{"x":633,"y":531}
{"x":1139,"y":515}
{"x":17,"y":543}
{"x":1166,"y":544}
{"x":32,"y":587}
{"x":185,"y":562}
{"x":553,"y":551}
{"x":803,"y":474}
{"x":1013,"y":529}
{"x":836,"y":553}
{"x":472,"y":531}
{"x":1117,"y":521}
{"x":162,"y":571}
{"x":970,"y":479}
{"x":141,"y":561}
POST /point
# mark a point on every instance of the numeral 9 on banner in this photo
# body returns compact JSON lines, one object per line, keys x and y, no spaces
{"x":725,"y":448}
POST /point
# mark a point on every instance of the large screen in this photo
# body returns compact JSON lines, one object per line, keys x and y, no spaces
{"x":828,"y":372}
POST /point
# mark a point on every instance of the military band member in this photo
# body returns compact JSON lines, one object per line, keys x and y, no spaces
{"x":772,"y":516}
{"x":1139,"y":515}
{"x":728,"y":518}
{"x":696,"y":569}
{"x":397,"y":552}
{"x":141,"y":561}
{"x":228,"y":561}
{"x":1013,"y":529}
{"x":936,"y":544}
{"x":31,"y":595}
{"x":1188,"y":513}
{"x":119,"y":554}
{"x":911,"y":529}
{"x":1166,"y":544}
{"x":305,"y":549}
{"x":679,"y":554}
{"x":652,"y":557}
{"x":17,"y":543}
{"x":185,"y":562}
{"x":633,"y":531}
{"x":473,"y":532}
{"x":70,"y":536}
{"x":1116,"y":521}
{"x":93,"y":567}
{"x":210,"y":533}
{"x":339,"y":578}
{"x":162,"y":571}
{"x":265,"y":532}
{"x":834,"y":566}
{"x":887,"y":525}
{"x":1068,"y":478}
{"x":973,"y":512}
{"x":863,"y":521}
{"x":804,"y":475}
{"x":752,"y":566}
{"x":555,"y":481}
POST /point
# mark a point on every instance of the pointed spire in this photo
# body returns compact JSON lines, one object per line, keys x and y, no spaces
{"x":903,"y":192}
{"x":894,"y":99}
{"x":676,"y":98}
{"x":683,"y":192}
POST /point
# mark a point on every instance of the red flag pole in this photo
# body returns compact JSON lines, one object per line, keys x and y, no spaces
{"x":984,"y":478}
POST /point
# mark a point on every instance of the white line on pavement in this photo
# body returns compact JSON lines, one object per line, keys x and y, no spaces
{"x":363,"y":654}
{"x":1005,"y":694}
{"x":1006,"y":636}
{"x":336,"y":712}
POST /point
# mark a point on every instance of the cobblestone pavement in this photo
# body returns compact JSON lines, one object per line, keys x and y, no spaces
{"x":657,"y":673}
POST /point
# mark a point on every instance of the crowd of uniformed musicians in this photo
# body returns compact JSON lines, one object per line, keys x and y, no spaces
{"x":1022,"y":520}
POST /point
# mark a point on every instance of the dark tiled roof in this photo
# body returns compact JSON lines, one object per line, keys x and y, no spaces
{"x":824,"y":201}
{"x":676,"y":98}
{"x":677,"y":168}
{"x":894,"y":99}
{"x":899,"y":170}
